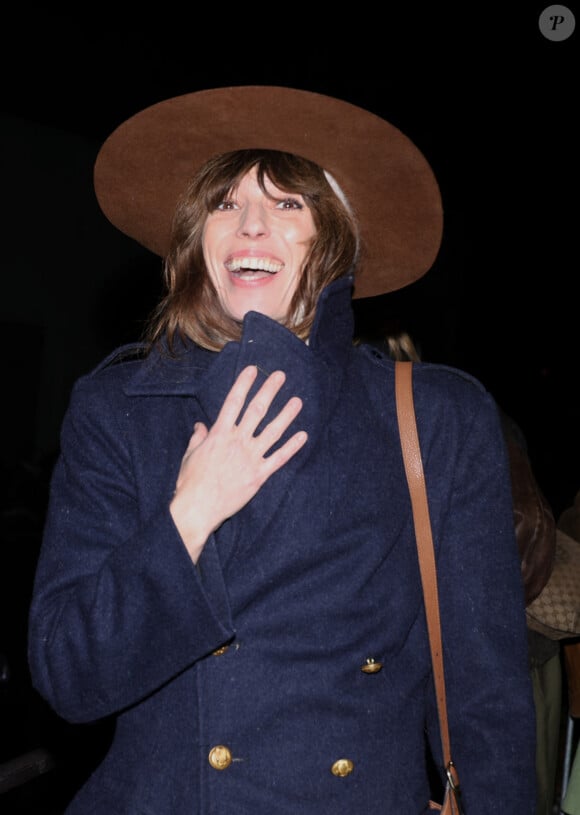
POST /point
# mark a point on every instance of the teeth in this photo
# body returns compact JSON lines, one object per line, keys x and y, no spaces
{"x":254,"y":264}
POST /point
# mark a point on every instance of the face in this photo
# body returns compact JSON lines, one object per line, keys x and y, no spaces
{"x":254,"y":248}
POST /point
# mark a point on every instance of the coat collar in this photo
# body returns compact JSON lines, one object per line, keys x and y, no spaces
{"x":194,"y":370}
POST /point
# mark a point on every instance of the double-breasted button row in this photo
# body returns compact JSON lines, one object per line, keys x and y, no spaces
{"x":220,"y":758}
{"x":369,"y":666}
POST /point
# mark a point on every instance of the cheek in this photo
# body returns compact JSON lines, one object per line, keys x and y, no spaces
{"x":305,"y":237}
{"x":209,"y":245}
{"x":207,"y":239}
{"x":299,"y":243}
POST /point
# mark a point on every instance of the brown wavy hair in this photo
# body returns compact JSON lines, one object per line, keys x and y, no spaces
{"x":191,"y":307}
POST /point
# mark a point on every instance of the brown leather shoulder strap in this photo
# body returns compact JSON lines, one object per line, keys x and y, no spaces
{"x":423,"y":534}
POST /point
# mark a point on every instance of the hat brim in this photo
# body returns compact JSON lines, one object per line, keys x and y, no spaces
{"x":144,"y":165}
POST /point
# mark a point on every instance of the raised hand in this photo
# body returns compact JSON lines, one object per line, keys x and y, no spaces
{"x":225,"y":466}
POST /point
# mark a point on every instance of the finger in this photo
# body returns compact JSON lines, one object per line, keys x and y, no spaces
{"x":279,"y":424}
{"x":262,"y":400}
{"x":198,"y":436}
{"x":284,"y":453}
{"x":236,"y":398}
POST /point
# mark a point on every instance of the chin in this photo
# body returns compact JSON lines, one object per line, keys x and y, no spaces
{"x":267,"y":311}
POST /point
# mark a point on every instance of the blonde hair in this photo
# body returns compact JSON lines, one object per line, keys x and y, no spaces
{"x":401,"y":347}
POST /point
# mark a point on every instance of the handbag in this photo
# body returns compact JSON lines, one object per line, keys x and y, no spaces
{"x":452,"y":804}
{"x":555,"y":612}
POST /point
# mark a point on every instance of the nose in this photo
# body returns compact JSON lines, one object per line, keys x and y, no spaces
{"x":253,"y":221}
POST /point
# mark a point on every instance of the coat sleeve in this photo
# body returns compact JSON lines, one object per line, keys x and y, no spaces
{"x":489,"y":689}
{"x":118,"y":607}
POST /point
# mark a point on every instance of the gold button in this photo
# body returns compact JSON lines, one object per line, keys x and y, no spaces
{"x":371,"y":666}
{"x":219,"y":651}
{"x":220,"y":757}
{"x":342,"y":767}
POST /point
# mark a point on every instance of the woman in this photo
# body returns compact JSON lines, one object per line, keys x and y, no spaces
{"x":229,"y":566}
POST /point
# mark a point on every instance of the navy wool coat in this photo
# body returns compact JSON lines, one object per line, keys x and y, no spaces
{"x":237,"y":684}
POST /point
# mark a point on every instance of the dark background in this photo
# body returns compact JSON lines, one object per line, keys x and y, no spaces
{"x":488,"y":99}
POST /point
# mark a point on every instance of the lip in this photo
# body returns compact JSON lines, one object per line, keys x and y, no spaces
{"x":251,"y":261}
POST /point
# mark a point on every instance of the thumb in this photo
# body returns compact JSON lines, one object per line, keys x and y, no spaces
{"x":200,"y":433}
{"x":198,"y":436}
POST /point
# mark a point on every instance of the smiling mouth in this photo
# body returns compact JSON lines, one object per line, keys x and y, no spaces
{"x":248,"y":265}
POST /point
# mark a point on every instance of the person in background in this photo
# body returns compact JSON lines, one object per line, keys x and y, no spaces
{"x":536,"y":536}
{"x":228,"y":567}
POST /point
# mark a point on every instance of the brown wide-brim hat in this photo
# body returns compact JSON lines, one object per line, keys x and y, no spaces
{"x":145,"y":164}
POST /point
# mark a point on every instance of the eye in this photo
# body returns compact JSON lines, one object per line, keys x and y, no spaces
{"x":289,"y":203}
{"x":226,"y":205}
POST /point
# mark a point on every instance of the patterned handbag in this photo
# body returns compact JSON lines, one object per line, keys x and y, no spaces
{"x":555,"y":612}
{"x":416,"y":479}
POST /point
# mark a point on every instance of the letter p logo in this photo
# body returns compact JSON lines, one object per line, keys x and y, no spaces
{"x":556,"y":23}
